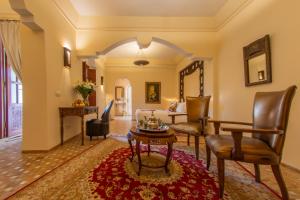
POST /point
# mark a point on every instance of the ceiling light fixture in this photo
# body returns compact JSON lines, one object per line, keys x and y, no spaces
{"x":141,"y":62}
{"x":141,"y":59}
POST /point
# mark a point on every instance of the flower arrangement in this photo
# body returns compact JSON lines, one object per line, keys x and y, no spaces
{"x":85,"y":88}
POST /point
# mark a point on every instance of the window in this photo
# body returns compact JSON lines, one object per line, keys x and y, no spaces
{"x":16,"y":89}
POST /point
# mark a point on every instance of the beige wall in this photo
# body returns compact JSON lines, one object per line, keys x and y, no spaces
{"x":221,"y":50}
{"x":47,"y":83}
{"x":280,"y":19}
{"x":137,"y":78}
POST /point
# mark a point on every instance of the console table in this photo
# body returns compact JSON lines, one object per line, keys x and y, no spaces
{"x":75,"y":111}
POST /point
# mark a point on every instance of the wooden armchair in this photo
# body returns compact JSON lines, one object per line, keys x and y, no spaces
{"x":197,"y":115}
{"x":270,"y":120}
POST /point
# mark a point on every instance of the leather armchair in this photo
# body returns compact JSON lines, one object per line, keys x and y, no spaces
{"x":96,"y":127}
{"x":197,"y":115}
{"x":270,"y":120}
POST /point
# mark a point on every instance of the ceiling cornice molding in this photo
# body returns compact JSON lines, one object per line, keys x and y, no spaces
{"x":67,"y":17}
{"x":205,"y":27}
{"x":149,"y":29}
{"x":113,"y":66}
{"x":233,"y":15}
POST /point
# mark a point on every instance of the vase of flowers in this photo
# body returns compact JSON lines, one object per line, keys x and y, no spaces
{"x":85,"y":88}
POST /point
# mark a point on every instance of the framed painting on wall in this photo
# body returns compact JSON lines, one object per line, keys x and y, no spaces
{"x":153,"y":92}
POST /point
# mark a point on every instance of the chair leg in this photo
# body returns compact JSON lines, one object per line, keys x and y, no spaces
{"x":105,"y":136}
{"x":188,"y":140}
{"x":208,"y":155}
{"x":197,"y":146}
{"x":279,"y":178}
{"x":90,"y":138}
{"x":221,"y":176}
{"x":257,"y":173}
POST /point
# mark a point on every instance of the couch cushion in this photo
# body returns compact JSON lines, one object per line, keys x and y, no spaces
{"x":254,"y":150}
{"x":191,"y":128}
{"x":181,"y":107}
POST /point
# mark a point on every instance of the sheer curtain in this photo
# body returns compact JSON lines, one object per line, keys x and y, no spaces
{"x":10,"y":36}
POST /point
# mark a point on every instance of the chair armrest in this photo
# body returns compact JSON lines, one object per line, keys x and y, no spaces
{"x":217,"y":124}
{"x":173,"y":115}
{"x":230,"y":122}
{"x":237,"y":135}
{"x":176,"y":114}
{"x":252,"y":130}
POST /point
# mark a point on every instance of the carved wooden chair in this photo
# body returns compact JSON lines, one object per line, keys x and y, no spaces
{"x":197,"y":115}
{"x":270,"y":120}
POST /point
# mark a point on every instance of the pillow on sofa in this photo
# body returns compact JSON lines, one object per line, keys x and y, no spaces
{"x":181,"y":107}
{"x":173,"y":106}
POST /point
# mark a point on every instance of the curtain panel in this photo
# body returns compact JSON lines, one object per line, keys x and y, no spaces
{"x":10,"y":37}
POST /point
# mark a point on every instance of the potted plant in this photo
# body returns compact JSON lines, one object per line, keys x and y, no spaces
{"x":85,"y":88}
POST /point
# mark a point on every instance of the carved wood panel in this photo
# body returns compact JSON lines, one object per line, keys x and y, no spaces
{"x":187,"y":71}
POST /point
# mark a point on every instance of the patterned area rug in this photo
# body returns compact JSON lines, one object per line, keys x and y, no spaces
{"x":104,"y":172}
{"x":116,"y":178}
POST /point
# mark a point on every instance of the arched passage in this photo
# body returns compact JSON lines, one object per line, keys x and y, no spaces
{"x":123,"y":98}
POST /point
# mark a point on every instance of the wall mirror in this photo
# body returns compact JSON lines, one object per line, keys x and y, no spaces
{"x":257,"y":62}
{"x":119,"y":93}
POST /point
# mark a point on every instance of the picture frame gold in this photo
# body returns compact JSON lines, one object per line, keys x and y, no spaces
{"x":153,"y":92}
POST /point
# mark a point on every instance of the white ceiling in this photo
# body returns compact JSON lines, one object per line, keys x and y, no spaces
{"x":173,"y":8}
{"x":154,"y":51}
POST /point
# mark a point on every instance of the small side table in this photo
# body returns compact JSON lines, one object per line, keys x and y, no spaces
{"x":150,"y":138}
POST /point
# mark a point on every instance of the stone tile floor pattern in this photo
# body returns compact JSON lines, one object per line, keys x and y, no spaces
{"x":18,"y":169}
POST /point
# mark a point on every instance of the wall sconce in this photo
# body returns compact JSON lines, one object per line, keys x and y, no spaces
{"x":101,"y":80}
{"x":67,"y":57}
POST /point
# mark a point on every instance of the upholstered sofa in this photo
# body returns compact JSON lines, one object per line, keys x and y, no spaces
{"x":163,"y":115}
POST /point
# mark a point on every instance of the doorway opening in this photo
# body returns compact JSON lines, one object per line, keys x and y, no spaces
{"x":123,"y":99}
{"x":11,"y":99}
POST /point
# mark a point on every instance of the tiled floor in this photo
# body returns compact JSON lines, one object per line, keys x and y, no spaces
{"x":18,"y":169}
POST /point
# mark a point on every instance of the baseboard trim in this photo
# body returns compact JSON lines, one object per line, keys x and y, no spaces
{"x":290,"y":167}
{"x":45,"y":151}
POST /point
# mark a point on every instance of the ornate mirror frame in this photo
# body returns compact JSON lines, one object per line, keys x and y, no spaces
{"x":187,"y":71}
{"x":254,"y":50}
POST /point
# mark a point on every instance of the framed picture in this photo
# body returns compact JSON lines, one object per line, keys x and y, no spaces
{"x":153,"y":92}
{"x":67,"y":57}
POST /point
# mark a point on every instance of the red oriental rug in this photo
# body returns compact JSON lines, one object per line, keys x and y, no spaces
{"x":116,"y":178}
{"x":105,"y":172}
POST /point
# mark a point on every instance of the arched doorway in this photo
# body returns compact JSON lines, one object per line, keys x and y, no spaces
{"x":123,"y":98}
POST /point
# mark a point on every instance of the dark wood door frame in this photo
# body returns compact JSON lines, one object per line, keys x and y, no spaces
{"x":89,"y":74}
{"x":3,"y":93}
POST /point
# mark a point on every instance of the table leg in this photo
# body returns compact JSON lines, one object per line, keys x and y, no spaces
{"x":131,"y":148}
{"x":138,"y":153}
{"x":61,"y":130}
{"x":82,"y":130}
{"x":168,"y":158}
{"x":149,"y":149}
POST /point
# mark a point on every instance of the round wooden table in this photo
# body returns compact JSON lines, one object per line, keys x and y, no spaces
{"x":151,"y":138}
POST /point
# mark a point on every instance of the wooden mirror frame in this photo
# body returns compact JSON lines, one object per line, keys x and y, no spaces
{"x":122,"y":93}
{"x":188,"y":71}
{"x":257,"y":48}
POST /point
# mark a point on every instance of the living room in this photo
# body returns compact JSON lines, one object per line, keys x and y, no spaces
{"x":54,"y":39}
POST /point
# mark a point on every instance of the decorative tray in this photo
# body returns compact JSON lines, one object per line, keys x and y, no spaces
{"x":157,"y":130}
